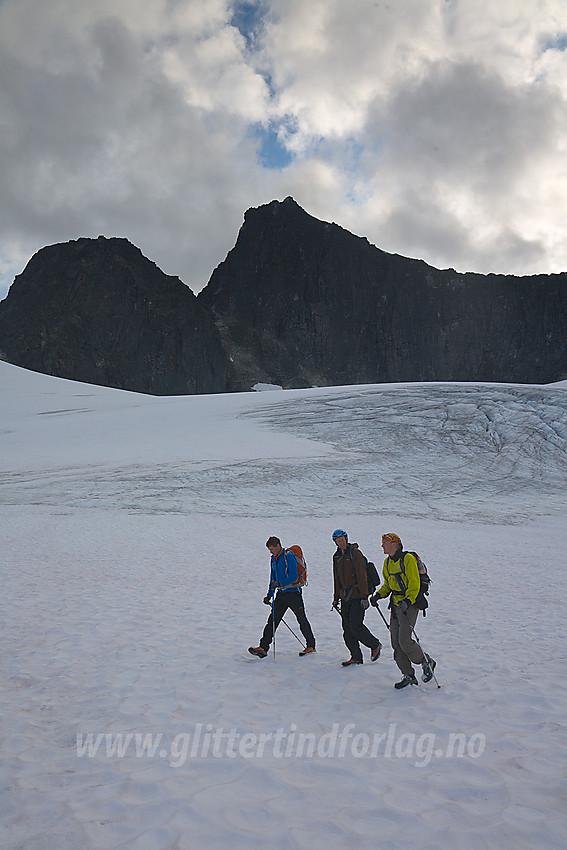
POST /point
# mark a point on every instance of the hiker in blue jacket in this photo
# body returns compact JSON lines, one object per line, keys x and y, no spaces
{"x":284,"y":577}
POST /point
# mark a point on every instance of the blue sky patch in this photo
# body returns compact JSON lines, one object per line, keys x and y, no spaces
{"x":559,"y":42}
{"x":271,"y":152}
{"x":247,"y":18}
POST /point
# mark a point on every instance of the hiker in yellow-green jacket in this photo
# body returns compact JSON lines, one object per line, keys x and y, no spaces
{"x":401,"y":583}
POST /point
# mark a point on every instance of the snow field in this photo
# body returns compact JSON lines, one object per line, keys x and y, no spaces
{"x":133,"y":530}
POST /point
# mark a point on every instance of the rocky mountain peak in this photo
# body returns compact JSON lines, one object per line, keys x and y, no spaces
{"x":97,"y":310}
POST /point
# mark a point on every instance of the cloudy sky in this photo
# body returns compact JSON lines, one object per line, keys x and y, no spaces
{"x":435,"y":128}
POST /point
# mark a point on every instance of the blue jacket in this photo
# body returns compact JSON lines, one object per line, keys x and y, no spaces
{"x":283,"y":570}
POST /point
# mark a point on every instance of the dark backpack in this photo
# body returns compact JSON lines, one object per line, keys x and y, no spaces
{"x":372,"y":577}
{"x":421,"y":601}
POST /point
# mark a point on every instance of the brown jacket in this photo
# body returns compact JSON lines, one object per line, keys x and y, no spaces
{"x":349,"y":572}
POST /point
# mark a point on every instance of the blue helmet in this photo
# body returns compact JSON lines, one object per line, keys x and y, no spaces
{"x":338,"y":532}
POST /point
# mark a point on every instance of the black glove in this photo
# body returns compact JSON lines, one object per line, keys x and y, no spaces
{"x":403,"y":606}
{"x":336,"y":605}
{"x":374,"y":600}
{"x":267,"y":600}
{"x":365,"y":604}
{"x":274,"y":585}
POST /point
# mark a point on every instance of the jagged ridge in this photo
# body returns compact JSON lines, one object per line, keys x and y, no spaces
{"x":296,"y":302}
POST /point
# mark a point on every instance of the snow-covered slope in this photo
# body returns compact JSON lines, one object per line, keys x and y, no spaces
{"x":133,"y":573}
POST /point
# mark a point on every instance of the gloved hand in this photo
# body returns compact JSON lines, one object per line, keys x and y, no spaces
{"x":267,"y":600}
{"x":336,"y":605}
{"x":374,"y":600}
{"x":274,"y":585}
{"x":403,"y":606}
{"x":365,"y":604}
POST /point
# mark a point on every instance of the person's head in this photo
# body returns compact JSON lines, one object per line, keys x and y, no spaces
{"x":341,"y":538}
{"x":391,"y":543}
{"x":274,"y":546}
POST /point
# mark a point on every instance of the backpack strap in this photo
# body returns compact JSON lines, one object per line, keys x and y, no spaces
{"x":293,"y":583}
{"x":349,"y":587}
{"x":397,"y":576}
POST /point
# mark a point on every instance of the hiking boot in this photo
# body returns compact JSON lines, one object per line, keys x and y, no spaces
{"x":405,"y":681}
{"x":257,"y":650}
{"x":307,"y":650}
{"x":428,"y":666}
{"x":349,"y":662}
{"x":375,"y":654}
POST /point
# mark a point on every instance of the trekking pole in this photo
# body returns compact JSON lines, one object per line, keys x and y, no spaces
{"x":381,"y":614}
{"x":274,"y":626}
{"x":293,"y":633}
{"x":424,"y":655}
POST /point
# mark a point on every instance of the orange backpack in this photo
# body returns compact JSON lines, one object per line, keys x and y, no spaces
{"x":301,"y":564}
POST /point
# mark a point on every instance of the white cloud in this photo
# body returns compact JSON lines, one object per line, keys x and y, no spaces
{"x":467,"y":156}
{"x":456,"y":111}
{"x":329,"y":60}
{"x":435,"y":128}
{"x":105,"y":139}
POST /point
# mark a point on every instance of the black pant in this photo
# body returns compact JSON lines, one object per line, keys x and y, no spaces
{"x":294,"y":600}
{"x":354,"y":630}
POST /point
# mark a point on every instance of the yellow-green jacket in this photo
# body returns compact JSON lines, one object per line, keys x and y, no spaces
{"x":394,"y":579}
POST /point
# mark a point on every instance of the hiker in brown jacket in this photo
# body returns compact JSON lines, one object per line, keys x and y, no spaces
{"x":351,"y":590}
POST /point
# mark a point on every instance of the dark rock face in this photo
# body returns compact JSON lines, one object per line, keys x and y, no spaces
{"x":98,"y":311}
{"x":297,"y":302}
{"x":300,"y":302}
